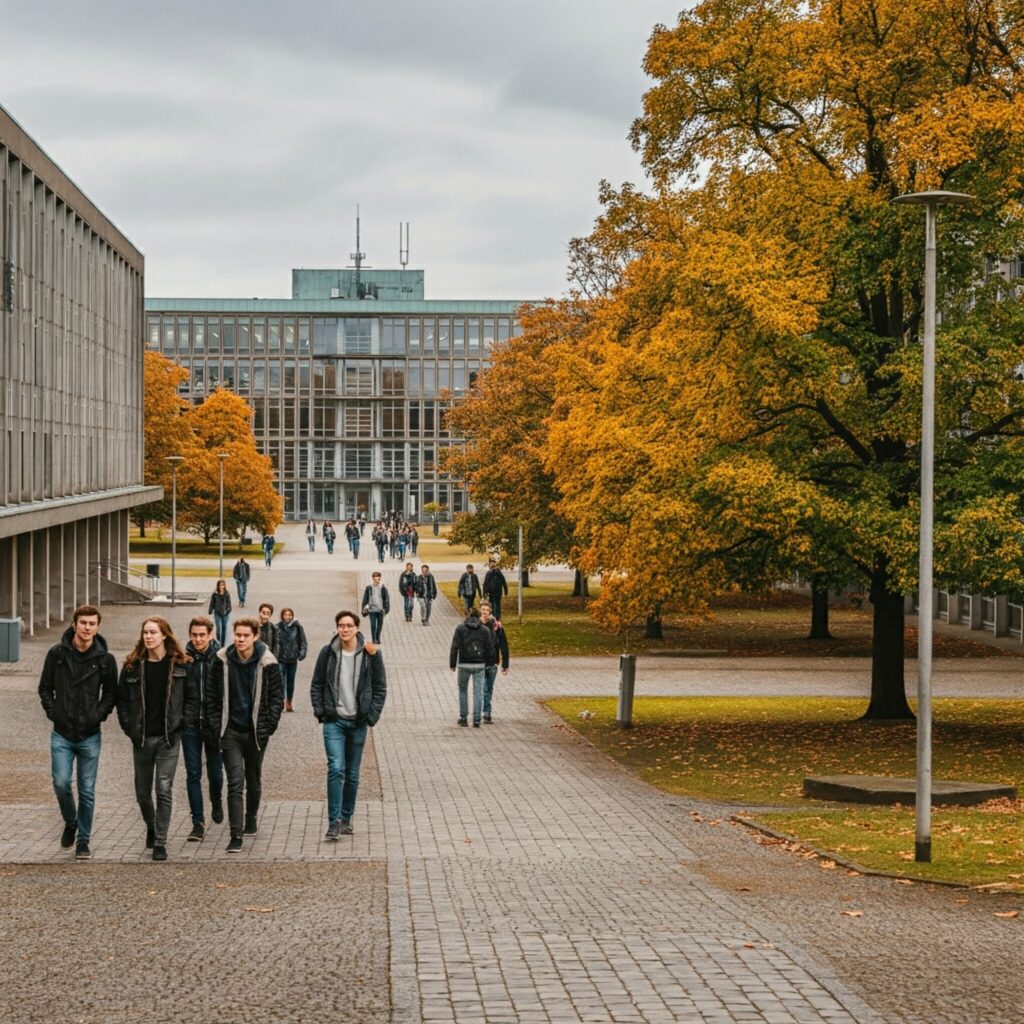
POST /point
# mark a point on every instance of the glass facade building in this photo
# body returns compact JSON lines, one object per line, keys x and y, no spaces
{"x":348,"y":381}
{"x":71,"y":351}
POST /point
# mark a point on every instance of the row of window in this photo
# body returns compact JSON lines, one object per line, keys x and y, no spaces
{"x":181,"y":335}
{"x":357,"y":418}
{"x":319,"y":460}
{"x":340,"y":501}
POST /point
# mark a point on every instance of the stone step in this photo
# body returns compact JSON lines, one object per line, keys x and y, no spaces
{"x":883,"y":789}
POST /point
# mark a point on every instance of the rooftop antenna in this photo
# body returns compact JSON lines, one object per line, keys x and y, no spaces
{"x":357,"y":256}
{"x":403,"y":244}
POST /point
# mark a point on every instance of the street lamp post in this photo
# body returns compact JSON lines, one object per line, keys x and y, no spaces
{"x":174,"y":460}
{"x":931,"y":201}
{"x":221,"y":456}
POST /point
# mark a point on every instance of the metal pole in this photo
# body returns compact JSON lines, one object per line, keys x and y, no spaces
{"x":174,"y":460}
{"x":221,"y":456}
{"x":519,"y":566}
{"x":923,"y":807}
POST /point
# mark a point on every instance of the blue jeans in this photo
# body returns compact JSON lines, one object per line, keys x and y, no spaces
{"x":376,"y":625}
{"x":490,"y":674}
{"x":242,"y":586}
{"x":343,"y":741}
{"x":311,"y":539}
{"x":380,"y":552}
{"x":192,"y":745}
{"x":221,"y":627}
{"x":408,"y":598}
{"x":355,"y":547}
{"x":288,"y":669}
{"x":62,"y":755}
{"x":477,"y":675}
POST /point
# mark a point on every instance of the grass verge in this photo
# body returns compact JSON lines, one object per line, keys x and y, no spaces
{"x":756,"y":751}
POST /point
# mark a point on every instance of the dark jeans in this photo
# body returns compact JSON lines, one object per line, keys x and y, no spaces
{"x":490,"y":674}
{"x":155,"y":764}
{"x":376,"y":625}
{"x":63,"y":753}
{"x":408,"y":598}
{"x":193,"y":744}
{"x":344,"y":742}
{"x":468,"y":602}
{"x":243,"y":762}
{"x":221,"y":627}
{"x":495,"y":600}
{"x":288,"y":670}
{"x":242,"y":586}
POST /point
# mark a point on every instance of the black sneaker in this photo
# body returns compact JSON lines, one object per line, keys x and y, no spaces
{"x":345,"y":828}
{"x":476,"y":725}
{"x":82,"y":851}
{"x":487,"y":720}
{"x":67,"y":837}
{"x":216,"y":811}
{"x":333,"y":831}
{"x":463,"y":721}
{"x":197,"y":833}
{"x":150,"y":838}
{"x":159,"y":853}
{"x":235,"y":845}
{"x":251,"y":826}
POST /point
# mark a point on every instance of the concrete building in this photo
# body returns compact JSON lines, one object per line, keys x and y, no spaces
{"x":345,"y":379}
{"x":71,"y":347}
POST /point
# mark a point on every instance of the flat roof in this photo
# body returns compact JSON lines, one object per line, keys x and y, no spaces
{"x":368,"y":307}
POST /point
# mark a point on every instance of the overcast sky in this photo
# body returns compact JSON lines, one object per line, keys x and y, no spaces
{"x":231,"y":140}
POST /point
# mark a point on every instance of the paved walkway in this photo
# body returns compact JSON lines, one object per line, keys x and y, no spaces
{"x":529,"y":879}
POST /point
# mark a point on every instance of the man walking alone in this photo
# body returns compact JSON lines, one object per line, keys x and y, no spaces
{"x":426,"y":591}
{"x":78,"y":690}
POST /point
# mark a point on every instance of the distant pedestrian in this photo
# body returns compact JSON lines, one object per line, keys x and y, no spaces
{"x":78,"y":690}
{"x":380,"y":540}
{"x":311,"y":535}
{"x":268,"y":631}
{"x":376,"y":604}
{"x":500,"y":657}
{"x":267,"y":544}
{"x":202,"y":648}
{"x":155,"y":698}
{"x":243,"y":706}
{"x":471,"y":651}
{"x":426,"y":592}
{"x":414,"y":540}
{"x":329,"y":537}
{"x":347,"y":693}
{"x":241,"y":574}
{"x":291,"y":649}
{"x":495,"y":586}
{"x":220,"y":609}
{"x":407,"y":588}
{"x":469,"y":587}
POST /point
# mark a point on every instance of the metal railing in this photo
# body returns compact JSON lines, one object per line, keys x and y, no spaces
{"x":117,"y":572}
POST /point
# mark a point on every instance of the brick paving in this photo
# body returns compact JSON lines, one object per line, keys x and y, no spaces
{"x":528,"y":877}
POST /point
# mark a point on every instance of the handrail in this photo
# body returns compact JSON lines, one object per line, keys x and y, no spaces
{"x":126,"y":575}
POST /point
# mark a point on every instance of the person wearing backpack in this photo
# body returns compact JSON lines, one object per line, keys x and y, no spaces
{"x":471,"y":652}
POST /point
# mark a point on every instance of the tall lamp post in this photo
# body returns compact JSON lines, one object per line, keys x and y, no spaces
{"x":931,"y":201}
{"x":175,"y":461}
{"x":221,"y":456}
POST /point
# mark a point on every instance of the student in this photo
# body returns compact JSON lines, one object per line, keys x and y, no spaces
{"x":495,"y":587}
{"x":220,"y":609}
{"x":202,"y":649}
{"x":500,"y":655}
{"x":242,"y":707}
{"x":347,"y":693}
{"x":155,"y":698}
{"x":471,"y":651}
{"x":426,"y":591}
{"x":241,"y":574}
{"x":311,"y":535}
{"x":78,"y":690}
{"x":291,"y":649}
{"x":267,"y":544}
{"x":407,"y":588}
{"x":268,"y":631}
{"x":469,"y":587}
{"x":376,"y":604}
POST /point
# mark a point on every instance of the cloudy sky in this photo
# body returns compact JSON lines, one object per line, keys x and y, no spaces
{"x":232,"y":139}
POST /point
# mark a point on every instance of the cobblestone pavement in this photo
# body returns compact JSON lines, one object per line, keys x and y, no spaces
{"x":528,"y":877}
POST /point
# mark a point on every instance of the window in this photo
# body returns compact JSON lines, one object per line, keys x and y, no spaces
{"x":324,"y":376}
{"x":358,"y":419}
{"x":444,"y":332}
{"x":289,"y":336}
{"x":474,"y":336}
{"x":429,"y":379}
{"x":504,"y":327}
{"x":323,"y":460}
{"x":429,"y":329}
{"x":429,"y":418}
{"x":325,"y":337}
{"x":303,"y":337}
{"x":358,"y":378}
{"x":392,"y":340}
{"x":414,"y":337}
{"x":393,"y":377}
{"x":213,"y":334}
{"x":274,"y":377}
{"x":358,"y":335}
{"x":392,"y":419}
{"x":183,"y":334}
{"x":488,"y":333}
{"x":273,"y":335}
{"x":414,"y":419}
{"x":429,"y":460}
{"x":244,"y":336}
{"x":394,"y":461}
{"x":413,"y":371}
{"x":168,"y":335}
{"x":154,"y":332}
{"x":358,"y":461}
{"x":304,"y":376}
{"x":259,"y":335}
{"x":459,"y":340}
{"x":259,"y":377}
{"x":243,"y":377}
{"x":325,"y":413}
{"x":228,"y":335}
{"x":288,"y":381}
{"x":444,"y":376}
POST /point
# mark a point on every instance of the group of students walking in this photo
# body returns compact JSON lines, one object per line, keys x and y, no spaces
{"x":217,"y":702}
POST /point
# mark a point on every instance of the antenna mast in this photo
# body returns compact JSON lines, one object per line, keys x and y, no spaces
{"x":403,"y":245}
{"x":358,"y":256}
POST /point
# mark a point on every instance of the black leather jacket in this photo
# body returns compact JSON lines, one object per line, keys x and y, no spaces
{"x":78,"y":691}
{"x":179,"y":707}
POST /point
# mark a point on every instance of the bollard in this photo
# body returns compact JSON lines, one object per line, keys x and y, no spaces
{"x":627,"y":679}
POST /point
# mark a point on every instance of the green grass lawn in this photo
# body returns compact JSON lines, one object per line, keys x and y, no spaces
{"x":159,"y":546}
{"x":756,"y":751}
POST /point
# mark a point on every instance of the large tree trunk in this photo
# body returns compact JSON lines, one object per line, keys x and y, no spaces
{"x":888,"y":696}
{"x":524,"y":578}
{"x":580,"y":585}
{"x":653,"y":630}
{"x":819,"y":611}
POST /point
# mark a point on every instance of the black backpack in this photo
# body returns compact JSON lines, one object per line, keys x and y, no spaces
{"x":473,"y":648}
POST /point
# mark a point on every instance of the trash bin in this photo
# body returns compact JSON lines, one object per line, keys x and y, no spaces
{"x":152,"y":568}
{"x":10,"y":639}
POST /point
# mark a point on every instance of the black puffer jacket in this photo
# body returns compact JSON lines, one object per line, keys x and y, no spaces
{"x":78,"y":691}
{"x":371,"y":685}
{"x":179,"y":707}
{"x":267,"y":693}
{"x":291,"y":641}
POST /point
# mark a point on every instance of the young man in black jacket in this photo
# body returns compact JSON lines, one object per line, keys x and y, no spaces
{"x":495,"y":587}
{"x":202,"y":648}
{"x":407,"y":588}
{"x":490,"y":622}
{"x":426,"y":591}
{"x":78,"y":690}
{"x":348,"y":693}
{"x":471,"y":652}
{"x":469,"y":587}
{"x":155,"y":697}
{"x":242,"y":707}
